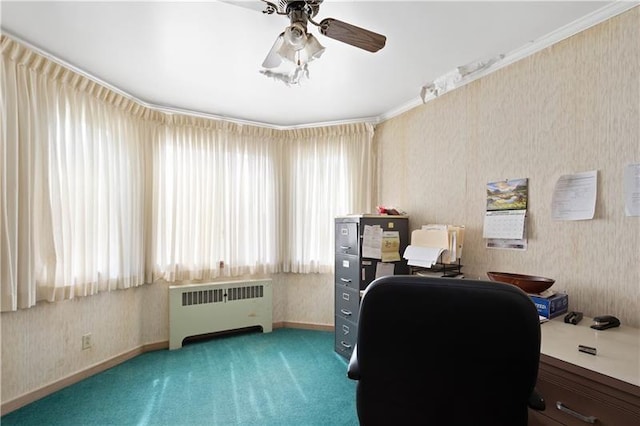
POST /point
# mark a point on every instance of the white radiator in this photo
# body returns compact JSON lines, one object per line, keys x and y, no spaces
{"x":196,"y":309}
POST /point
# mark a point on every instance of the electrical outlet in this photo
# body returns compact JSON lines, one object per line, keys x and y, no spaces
{"x":86,"y":341}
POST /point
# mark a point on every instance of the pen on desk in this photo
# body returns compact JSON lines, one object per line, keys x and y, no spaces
{"x":587,"y":349}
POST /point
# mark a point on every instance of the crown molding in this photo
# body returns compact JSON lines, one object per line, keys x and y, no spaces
{"x":179,"y":111}
{"x":607,"y":12}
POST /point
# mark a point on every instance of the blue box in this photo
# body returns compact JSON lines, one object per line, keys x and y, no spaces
{"x":552,"y":306}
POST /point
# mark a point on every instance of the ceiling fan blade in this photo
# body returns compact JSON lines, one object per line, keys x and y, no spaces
{"x":350,"y":34}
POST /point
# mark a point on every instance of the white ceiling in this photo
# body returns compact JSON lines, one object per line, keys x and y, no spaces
{"x":205,"y":56}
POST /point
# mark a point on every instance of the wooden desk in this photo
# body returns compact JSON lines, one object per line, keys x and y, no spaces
{"x":582,"y":389}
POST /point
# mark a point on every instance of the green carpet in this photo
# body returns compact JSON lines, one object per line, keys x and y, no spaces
{"x":286,"y":377}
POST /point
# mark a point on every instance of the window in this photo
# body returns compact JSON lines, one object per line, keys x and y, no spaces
{"x":100,"y":193}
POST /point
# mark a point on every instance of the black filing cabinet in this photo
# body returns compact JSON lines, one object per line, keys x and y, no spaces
{"x":354,"y":272}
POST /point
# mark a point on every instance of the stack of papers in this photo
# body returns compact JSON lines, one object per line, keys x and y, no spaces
{"x":435,"y":243}
{"x":425,"y":257}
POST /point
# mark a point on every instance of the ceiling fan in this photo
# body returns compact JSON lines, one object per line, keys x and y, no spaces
{"x":295,"y":47}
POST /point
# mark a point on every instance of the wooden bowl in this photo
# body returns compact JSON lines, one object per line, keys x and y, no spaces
{"x":528,"y":283}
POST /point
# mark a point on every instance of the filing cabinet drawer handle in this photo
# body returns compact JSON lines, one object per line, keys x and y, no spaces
{"x":345,"y":344}
{"x":345,"y":247}
{"x":345,"y":280}
{"x":345,"y":312}
{"x":569,"y":411}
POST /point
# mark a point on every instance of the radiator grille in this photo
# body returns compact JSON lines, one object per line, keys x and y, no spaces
{"x":200,"y":297}
{"x":205,"y":308}
{"x":248,"y":292}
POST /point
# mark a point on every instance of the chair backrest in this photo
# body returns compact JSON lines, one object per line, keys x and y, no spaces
{"x":445,"y":351}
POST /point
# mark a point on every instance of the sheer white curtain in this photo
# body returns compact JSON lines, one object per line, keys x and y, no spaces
{"x":254,"y":200}
{"x":215,"y":210}
{"x":329,"y":173}
{"x":73,"y":184}
{"x":101,"y":193}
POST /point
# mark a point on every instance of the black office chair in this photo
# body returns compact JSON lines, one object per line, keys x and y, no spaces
{"x":445,"y":351}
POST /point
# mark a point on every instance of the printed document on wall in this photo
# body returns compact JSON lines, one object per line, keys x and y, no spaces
{"x":632,"y":190}
{"x":574,"y":196}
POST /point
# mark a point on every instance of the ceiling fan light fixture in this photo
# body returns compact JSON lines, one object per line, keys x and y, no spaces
{"x":273,"y":58}
{"x":296,"y":36}
{"x":289,"y":64}
{"x":288,"y":60}
{"x":313,"y":48}
{"x":288,"y":53}
{"x":290,"y":74}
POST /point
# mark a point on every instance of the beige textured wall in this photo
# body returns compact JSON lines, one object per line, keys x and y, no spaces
{"x":43,"y":345}
{"x":309,"y":299}
{"x":570,"y":108}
